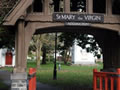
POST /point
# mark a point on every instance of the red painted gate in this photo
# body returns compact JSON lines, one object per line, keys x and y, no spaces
{"x":8,"y":58}
{"x":32,"y":79}
{"x":106,"y":80}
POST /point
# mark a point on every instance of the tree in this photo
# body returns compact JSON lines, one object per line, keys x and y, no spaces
{"x":42,"y":44}
{"x":7,"y":38}
{"x":37,"y":45}
{"x":7,"y":35}
{"x":44,"y":49}
{"x":48,"y":46}
{"x":84,"y":40}
{"x":67,"y":40}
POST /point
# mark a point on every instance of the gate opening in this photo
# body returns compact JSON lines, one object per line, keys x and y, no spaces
{"x":67,"y":70}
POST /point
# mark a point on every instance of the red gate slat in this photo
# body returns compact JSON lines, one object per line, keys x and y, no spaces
{"x":112,"y":76}
{"x":118,"y":79}
{"x":32,"y":79}
{"x":94,"y":80}
{"x":112,"y":83}
{"x":101,"y":83}
{"x":106,"y":83}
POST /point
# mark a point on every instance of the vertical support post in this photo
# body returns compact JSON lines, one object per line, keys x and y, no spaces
{"x":19,"y":76}
{"x":32,"y":80}
{"x":46,"y":7}
{"x":111,"y":50}
{"x":106,"y":83}
{"x":109,"y":7}
{"x":20,"y":48}
{"x":66,"y":6}
{"x":89,"y":6}
{"x":112,"y":83}
{"x":94,"y":80}
{"x":55,"y":67}
{"x":118,"y":45}
{"x":101,"y":83}
{"x":118,"y":79}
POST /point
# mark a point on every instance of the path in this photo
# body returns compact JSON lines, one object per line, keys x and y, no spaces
{"x":5,"y":77}
{"x":41,"y":86}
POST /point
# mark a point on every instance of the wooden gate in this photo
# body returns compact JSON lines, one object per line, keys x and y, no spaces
{"x":106,"y":80}
{"x":32,"y":79}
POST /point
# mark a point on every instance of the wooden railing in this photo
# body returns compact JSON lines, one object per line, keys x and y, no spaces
{"x":106,"y":80}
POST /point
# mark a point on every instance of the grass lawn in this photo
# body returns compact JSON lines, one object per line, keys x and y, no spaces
{"x":68,"y":76}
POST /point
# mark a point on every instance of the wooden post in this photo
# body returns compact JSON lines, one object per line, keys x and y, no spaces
{"x":66,"y":6}
{"x":32,"y":79}
{"x":109,"y":7}
{"x":20,"y":48}
{"x":119,"y":48}
{"x":94,"y":80}
{"x":100,"y":83}
{"x":89,"y":6}
{"x":19,"y":76}
{"x":46,"y":7}
{"x":111,"y":50}
{"x":118,"y":79}
{"x":106,"y":83}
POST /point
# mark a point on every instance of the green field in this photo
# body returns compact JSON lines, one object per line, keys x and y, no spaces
{"x":68,"y":76}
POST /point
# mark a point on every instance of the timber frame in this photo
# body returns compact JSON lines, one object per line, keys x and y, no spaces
{"x":27,"y":23}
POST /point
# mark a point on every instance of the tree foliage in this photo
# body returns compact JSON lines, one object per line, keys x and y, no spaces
{"x":7,"y":38}
{"x":83,"y":40}
{"x":48,"y":47}
{"x":36,"y":45}
{"x":42,"y":44}
{"x":5,"y":7}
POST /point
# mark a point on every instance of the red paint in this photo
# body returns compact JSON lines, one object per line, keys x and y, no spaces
{"x":32,"y":80}
{"x":8,"y":58}
{"x":112,"y":83}
{"x":101,"y":83}
{"x":118,"y":79}
{"x":106,"y":83}
{"x":94,"y":80}
{"x":98,"y":77}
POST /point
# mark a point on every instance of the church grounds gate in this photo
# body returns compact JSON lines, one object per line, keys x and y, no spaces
{"x":26,"y":22}
{"x":106,"y":80}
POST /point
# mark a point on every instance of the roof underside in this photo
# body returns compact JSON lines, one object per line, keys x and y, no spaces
{"x":5,"y":7}
{"x":13,"y":14}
